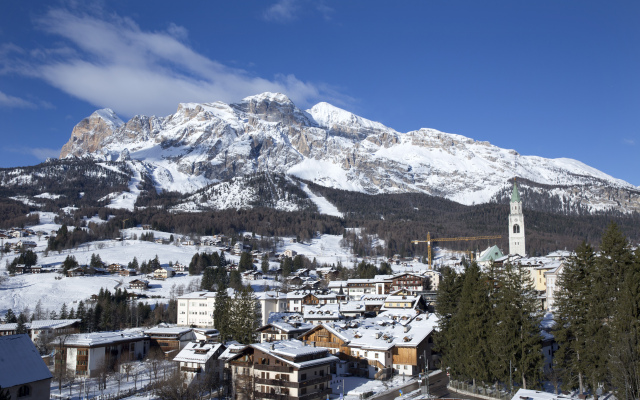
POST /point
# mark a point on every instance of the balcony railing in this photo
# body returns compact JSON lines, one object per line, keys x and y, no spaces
{"x":276,"y":368}
{"x":290,"y":384}
{"x":191,"y":369}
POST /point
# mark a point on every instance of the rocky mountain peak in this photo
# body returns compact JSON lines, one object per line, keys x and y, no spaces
{"x":88,"y":135}
{"x":209,"y":142}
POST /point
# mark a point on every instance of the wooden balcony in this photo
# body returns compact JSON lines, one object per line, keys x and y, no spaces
{"x":191,"y":369}
{"x":276,"y":368}
{"x":290,"y":384}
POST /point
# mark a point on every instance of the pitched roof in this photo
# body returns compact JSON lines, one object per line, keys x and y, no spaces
{"x":20,"y":361}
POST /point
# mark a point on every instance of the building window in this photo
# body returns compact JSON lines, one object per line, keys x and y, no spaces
{"x":24,"y":391}
{"x":516,"y":228}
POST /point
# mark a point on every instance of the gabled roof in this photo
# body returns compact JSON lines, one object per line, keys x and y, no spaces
{"x":286,"y":349}
{"x":382,"y":332}
{"x":20,"y":361}
{"x":491,"y":253}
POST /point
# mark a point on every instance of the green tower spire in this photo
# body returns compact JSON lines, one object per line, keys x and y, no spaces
{"x":515,"y":195}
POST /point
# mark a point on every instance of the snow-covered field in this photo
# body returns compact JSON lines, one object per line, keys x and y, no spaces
{"x":52,"y":289}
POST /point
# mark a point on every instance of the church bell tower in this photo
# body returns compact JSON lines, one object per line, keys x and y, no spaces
{"x":516,"y":224}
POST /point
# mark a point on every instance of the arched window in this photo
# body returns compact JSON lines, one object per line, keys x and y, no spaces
{"x":516,"y":228}
{"x":24,"y":391}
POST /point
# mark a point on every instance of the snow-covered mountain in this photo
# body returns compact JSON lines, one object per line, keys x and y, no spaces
{"x":213,"y":142}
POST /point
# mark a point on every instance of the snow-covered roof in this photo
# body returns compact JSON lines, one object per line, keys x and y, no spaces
{"x":231,"y":350}
{"x":158,"y":330}
{"x":286,"y":349}
{"x":97,"y":339}
{"x":528,"y":394}
{"x":199,"y":352}
{"x":322,"y":311}
{"x":41,"y":324}
{"x":384,"y":332}
{"x":270,"y":295}
{"x":20,"y":361}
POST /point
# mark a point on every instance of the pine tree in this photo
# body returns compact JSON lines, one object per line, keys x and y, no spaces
{"x":63,"y":311}
{"x":208,"y":279}
{"x":69,"y":263}
{"x":246,"y":262}
{"x":472,"y":322}
{"x":572,"y":327}
{"x":528,"y":341}
{"x":244,"y":320}
{"x":222,"y":313}
{"x":81,"y":315}
{"x":22,"y":327}
{"x":10,"y":317}
{"x":624,"y":352}
{"x":96,"y":261}
{"x":265,"y":263}
{"x":235,"y":280}
{"x":446,"y":307}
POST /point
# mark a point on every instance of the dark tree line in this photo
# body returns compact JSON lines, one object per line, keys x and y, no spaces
{"x":66,"y":178}
{"x":16,"y":214}
{"x":598,"y":318}
{"x":400,"y":218}
{"x":489,"y":322}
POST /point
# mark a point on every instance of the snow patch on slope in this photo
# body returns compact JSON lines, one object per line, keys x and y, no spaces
{"x":324,"y":206}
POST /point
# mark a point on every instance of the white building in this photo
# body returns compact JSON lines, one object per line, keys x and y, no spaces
{"x":87,"y":354}
{"x":271,"y":302}
{"x":196,"y":309}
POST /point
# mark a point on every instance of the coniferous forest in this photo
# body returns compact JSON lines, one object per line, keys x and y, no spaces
{"x":490,"y":323}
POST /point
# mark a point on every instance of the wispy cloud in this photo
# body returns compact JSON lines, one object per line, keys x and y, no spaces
{"x":111,"y":62}
{"x":281,"y":11}
{"x":39,"y":153}
{"x":14,"y":102}
{"x":629,"y":142}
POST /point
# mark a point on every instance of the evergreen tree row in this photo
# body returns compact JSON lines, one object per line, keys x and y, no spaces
{"x":598,"y":319}
{"x":490,"y":326}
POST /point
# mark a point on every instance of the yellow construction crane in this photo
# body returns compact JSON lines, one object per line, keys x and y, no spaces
{"x":455,"y":239}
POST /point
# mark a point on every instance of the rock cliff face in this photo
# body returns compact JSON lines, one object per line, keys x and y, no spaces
{"x":210,"y":142}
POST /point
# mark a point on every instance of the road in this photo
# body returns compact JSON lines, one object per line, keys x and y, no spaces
{"x":437,"y":388}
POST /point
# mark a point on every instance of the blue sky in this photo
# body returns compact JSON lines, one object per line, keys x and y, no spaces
{"x":547,"y":78}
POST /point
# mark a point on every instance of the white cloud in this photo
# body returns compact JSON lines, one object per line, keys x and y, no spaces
{"x":14,"y":102}
{"x":630,"y":142}
{"x":111,"y":62}
{"x":281,"y":11}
